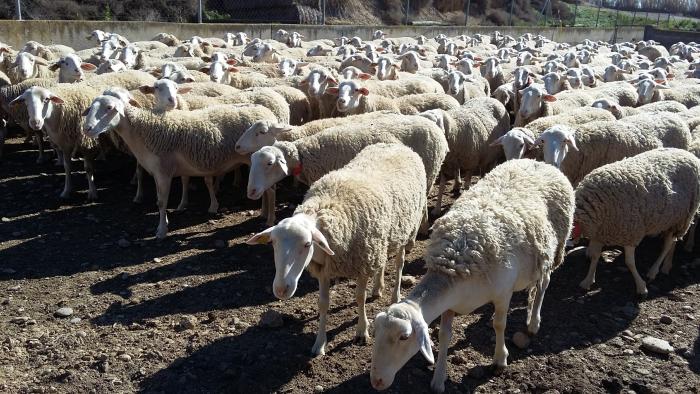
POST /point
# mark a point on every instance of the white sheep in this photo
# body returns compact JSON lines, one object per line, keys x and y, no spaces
{"x":70,"y":68}
{"x":177,"y":143}
{"x":611,"y":210}
{"x":504,"y":235}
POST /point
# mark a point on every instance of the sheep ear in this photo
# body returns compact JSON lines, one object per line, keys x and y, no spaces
{"x":423,"y":337}
{"x":332,"y":90}
{"x":145,"y":89}
{"x":231,"y":62}
{"x":528,"y":140}
{"x":278,"y":128}
{"x":188,"y":79}
{"x":303,"y":82}
{"x":88,"y":66}
{"x":55,"y":66}
{"x":364,"y":91}
{"x":19,"y":100}
{"x":183,"y":90}
{"x":320,"y":240}
{"x":204,"y":70}
{"x":233,"y":69}
{"x":549,"y":97}
{"x":86,"y":112}
{"x":206,"y":58}
{"x":364,"y":76}
{"x":41,"y":61}
{"x":498,"y":141}
{"x":571,"y":142}
{"x":261,"y":237}
{"x":134,"y":103}
{"x":56,"y":99}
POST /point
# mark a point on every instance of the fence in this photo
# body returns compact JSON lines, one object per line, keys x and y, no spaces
{"x":553,"y":13}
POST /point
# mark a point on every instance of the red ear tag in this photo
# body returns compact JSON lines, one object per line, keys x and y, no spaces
{"x":576,"y":232}
{"x":296,"y":171}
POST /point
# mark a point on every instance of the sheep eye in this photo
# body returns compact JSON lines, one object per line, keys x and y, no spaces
{"x":403,"y":337}
{"x":307,"y":245}
{"x":109,"y":108}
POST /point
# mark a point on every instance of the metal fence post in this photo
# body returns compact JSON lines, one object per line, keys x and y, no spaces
{"x":408,"y":7}
{"x":466,"y":20}
{"x":658,"y":18}
{"x":668,"y":21}
{"x":575,"y":12}
{"x":199,"y":16}
{"x":324,"y":11}
{"x":634,"y":15}
{"x":510,"y":17}
{"x":19,"y":10}
{"x":597,"y":17}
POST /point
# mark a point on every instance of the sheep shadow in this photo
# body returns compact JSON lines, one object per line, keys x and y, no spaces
{"x":245,"y":362}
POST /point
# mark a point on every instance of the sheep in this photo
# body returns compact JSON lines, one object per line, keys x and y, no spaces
{"x":315,"y":84}
{"x":688,"y":95}
{"x":555,"y":83}
{"x":535,"y":103}
{"x":593,"y":145}
{"x":492,"y":71}
{"x":30,"y":66}
{"x":671,"y":129}
{"x":469,"y":131}
{"x":354,"y":99}
{"x":652,"y":108}
{"x":515,"y":142}
{"x":110,"y":66}
{"x":58,"y":110}
{"x":653,"y":51}
{"x":70,"y":68}
{"x":506,"y":234}
{"x":299,"y":105}
{"x":167,"y":95}
{"x":464,"y":87}
{"x":611,"y":210}
{"x":413,"y":104}
{"x":266,"y":97}
{"x":129,"y":79}
{"x":176,"y":143}
{"x":573,"y":118}
{"x":358,"y":217}
{"x":210,"y":89}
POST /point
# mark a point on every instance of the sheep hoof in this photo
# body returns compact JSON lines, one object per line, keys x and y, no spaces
{"x":138,"y":200}
{"x":437,"y":387}
{"x":651,"y":275}
{"x":161,"y":234}
{"x":585,"y":284}
{"x":360,"y":340}
{"x":180,"y":209}
{"x":65,"y":195}
{"x":665,"y":270}
{"x":318,"y":350}
{"x":642,"y":293}
{"x":213,"y":210}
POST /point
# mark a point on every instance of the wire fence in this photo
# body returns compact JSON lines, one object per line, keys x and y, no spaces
{"x":564,"y":13}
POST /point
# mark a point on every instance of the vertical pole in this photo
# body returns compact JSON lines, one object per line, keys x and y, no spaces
{"x":546,"y":12}
{"x":668,"y":21}
{"x":634,"y":15}
{"x":324,"y":11}
{"x":597,"y":17}
{"x":617,"y":14}
{"x":575,"y":12}
{"x":408,"y":7}
{"x":510,"y":17}
{"x":658,"y":18}
{"x":199,"y":16}
{"x":466,"y":20}
{"x":19,"y":10}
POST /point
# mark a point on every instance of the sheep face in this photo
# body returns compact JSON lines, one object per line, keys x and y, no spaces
{"x":552,"y":83}
{"x":436,"y":116}
{"x":26,"y":64}
{"x":605,"y":104}
{"x":455,"y":82}
{"x":532,"y":100}
{"x":289,"y":67}
{"x":111,"y":65}
{"x":181,"y":76}
{"x":524,"y":59}
{"x":386,"y":69}
{"x":97,"y":36}
{"x":295,"y":241}
{"x":128,"y":56}
{"x":217,"y":70}
{"x":349,"y":95}
{"x":40,"y":105}
{"x":267,"y":167}
{"x":261,"y":133}
{"x":515,"y":143}
{"x":316,"y":82}
{"x":410,"y":62}
{"x":555,"y":142}
{"x":646,"y":89}
{"x":265,"y":54}
{"x":103,"y":116}
{"x":166,"y":92}
{"x":107,"y":50}
{"x":466,"y":66}
{"x":71,"y":68}
{"x":575,"y":78}
{"x":491,"y":68}
{"x":522,"y":78}
{"x":398,"y":335}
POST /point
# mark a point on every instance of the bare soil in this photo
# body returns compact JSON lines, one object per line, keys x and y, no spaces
{"x":183,"y":315}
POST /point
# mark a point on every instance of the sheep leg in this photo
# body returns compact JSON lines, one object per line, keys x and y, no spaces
{"x":400,"y":257}
{"x":534,"y":318}
{"x":668,"y":244}
{"x":3,"y":135}
{"x":185,"y":199}
{"x":68,"y":186}
{"x":457,"y":187}
{"x":424,"y":222}
{"x":361,"y":333}
{"x":500,"y":356}
{"x":441,"y":190}
{"x":324,"y":285}
{"x":39,"y":144}
{"x":690,"y":238}
{"x":138,"y":174}
{"x":163,"y":191}
{"x":378,"y":283}
{"x":594,"y":250}
{"x":271,"y":194}
{"x":440,"y":374}
{"x":631,"y":265}
{"x":217,"y":183}
{"x":213,"y":202}
{"x":467,"y":180}
{"x":237,"y":177}
{"x":90,"y":174}
{"x":668,"y":261}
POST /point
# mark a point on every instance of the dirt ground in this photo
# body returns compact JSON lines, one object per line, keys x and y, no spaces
{"x":183,"y":315}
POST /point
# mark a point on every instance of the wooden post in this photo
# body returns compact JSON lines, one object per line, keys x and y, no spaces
{"x":510,"y":17}
{"x":634,"y":15}
{"x":466,"y":20}
{"x":600,"y":4}
{"x":408,"y":7}
{"x":199,"y":16}
{"x":575,"y":11}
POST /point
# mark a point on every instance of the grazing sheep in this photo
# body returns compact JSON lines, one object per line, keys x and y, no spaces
{"x":611,"y":210}
{"x":177,"y":143}
{"x":506,"y":234}
{"x":358,"y":217}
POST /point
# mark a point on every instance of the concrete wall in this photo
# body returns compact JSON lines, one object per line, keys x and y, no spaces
{"x":670,"y":37}
{"x":74,"y":33}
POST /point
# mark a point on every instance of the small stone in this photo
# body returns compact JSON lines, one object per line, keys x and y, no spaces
{"x":124,"y":275}
{"x":20,"y":320}
{"x":157,"y":259}
{"x":656,"y":345}
{"x":124,"y":357}
{"x":628,"y":352}
{"x":81,"y":334}
{"x":408,"y":281}
{"x":103,"y":367}
{"x":643,"y":371}
{"x":318,"y":389}
{"x":687,"y":308}
{"x":617,"y":342}
{"x":63,"y":312}
{"x":521,"y":340}
{"x":665,"y":319}
{"x":271,"y":318}
{"x":75,"y":320}
{"x":458,"y":359}
{"x":688,"y":354}
{"x":5,"y":220}
{"x":219,"y":244}
{"x":123,"y":243}
{"x":187,"y":322}
{"x":628,"y":333}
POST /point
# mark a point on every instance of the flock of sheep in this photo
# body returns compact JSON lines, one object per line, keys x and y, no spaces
{"x":592,"y":140}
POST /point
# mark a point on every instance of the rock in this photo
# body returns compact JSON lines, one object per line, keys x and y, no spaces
{"x":5,"y":220}
{"x":103,"y":367}
{"x":75,"y":320}
{"x":688,"y":353}
{"x":81,"y":334}
{"x":687,"y":308}
{"x":665,"y":319}
{"x":643,"y":371}
{"x":318,"y":389}
{"x":187,"y":322}
{"x":63,"y":312}
{"x":617,"y":342}
{"x":271,"y":318}
{"x":628,"y":352}
{"x":656,"y":345}
{"x":219,"y":244}
{"x":123,"y":243}
{"x":157,"y":259}
{"x":521,"y":340}
{"x":628,"y":333}
{"x":408,"y":281}
{"x":21,"y":320}
{"x":124,"y":357}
